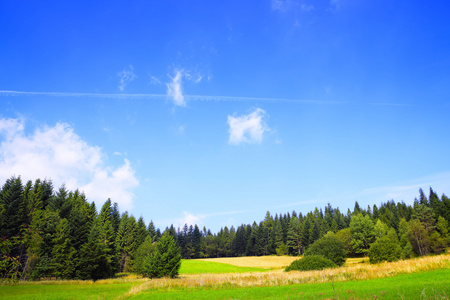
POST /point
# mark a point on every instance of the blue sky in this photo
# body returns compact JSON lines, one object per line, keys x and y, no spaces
{"x":214,"y":112}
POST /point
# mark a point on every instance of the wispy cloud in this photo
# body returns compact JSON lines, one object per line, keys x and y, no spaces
{"x":307,"y":7}
{"x":281,"y":5}
{"x":175,"y":85}
{"x":247,"y":128}
{"x":154,"y":80}
{"x":126,"y":76}
{"x":175,"y":90}
{"x":58,"y":153}
{"x":408,"y":190}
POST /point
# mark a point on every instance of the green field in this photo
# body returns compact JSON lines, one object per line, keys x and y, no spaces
{"x":426,"y":285}
{"x":200,"y":279}
{"x":191,"y":266}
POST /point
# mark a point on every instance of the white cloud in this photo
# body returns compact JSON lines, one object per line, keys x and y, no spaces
{"x":190,"y":219}
{"x":307,"y":7}
{"x":247,"y":128}
{"x":281,"y":5}
{"x":59,"y":154}
{"x":126,"y":76}
{"x":174,"y":89}
{"x":154,"y":80}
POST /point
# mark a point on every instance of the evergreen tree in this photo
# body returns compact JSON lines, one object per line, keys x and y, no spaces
{"x":166,"y":260}
{"x":306,"y":233}
{"x":63,"y":253}
{"x":152,"y":231}
{"x":141,"y":232}
{"x":12,"y":208}
{"x":107,"y":236}
{"x":196,"y":242}
{"x":93,"y":262}
{"x":315,"y":232}
{"x":143,"y":253}
{"x":294,"y":239}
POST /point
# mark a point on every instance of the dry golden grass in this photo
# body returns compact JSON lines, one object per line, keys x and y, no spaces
{"x":263,"y":262}
{"x":351,"y":271}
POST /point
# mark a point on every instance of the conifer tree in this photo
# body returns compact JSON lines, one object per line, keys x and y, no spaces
{"x":141,"y":232}
{"x":93,"y":262}
{"x":12,"y":208}
{"x":306,"y":233}
{"x":166,"y":260}
{"x":63,"y":253}
{"x":294,"y":238}
{"x":152,"y":231}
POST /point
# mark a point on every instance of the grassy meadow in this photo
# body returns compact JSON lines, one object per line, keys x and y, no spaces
{"x":259,"y":278}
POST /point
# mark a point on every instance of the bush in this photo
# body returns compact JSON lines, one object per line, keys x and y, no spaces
{"x":386,"y":248}
{"x":311,"y":262}
{"x":329,"y":246}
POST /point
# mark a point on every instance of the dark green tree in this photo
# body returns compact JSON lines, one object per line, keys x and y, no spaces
{"x":165,"y":260}
{"x":329,"y":246}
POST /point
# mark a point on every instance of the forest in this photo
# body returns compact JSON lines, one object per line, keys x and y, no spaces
{"x":59,"y":234}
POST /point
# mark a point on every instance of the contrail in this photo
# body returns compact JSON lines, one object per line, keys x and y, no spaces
{"x":4,"y":93}
{"x":163,"y":96}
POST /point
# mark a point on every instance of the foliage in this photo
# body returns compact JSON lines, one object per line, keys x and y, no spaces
{"x":345,"y":236}
{"x":282,"y":249}
{"x":59,"y":234}
{"x":362,"y":230}
{"x":329,"y":246}
{"x":145,"y":250}
{"x":165,"y":260}
{"x":311,"y":262}
{"x":385,"y":248}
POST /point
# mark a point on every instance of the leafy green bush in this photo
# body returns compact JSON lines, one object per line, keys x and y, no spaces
{"x":329,"y":246}
{"x":386,"y":248}
{"x":311,"y":262}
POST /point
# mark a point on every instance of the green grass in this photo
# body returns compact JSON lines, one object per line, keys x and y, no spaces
{"x":425,"y":285}
{"x":65,"y":291}
{"x":191,"y":266}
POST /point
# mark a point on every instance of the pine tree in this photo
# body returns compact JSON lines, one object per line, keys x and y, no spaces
{"x":152,"y":231}
{"x":306,"y":233}
{"x":294,"y":238}
{"x":196,"y":242}
{"x":315,"y":232}
{"x":93,"y":262}
{"x":107,"y":236}
{"x":12,"y":208}
{"x":166,"y":260}
{"x":141,"y":232}
{"x":63,"y":253}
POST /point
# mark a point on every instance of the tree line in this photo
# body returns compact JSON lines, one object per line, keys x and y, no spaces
{"x":59,"y":234}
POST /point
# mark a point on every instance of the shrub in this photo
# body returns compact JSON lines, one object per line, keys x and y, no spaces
{"x":311,"y":262}
{"x":329,"y":246}
{"x":386,"y":248}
